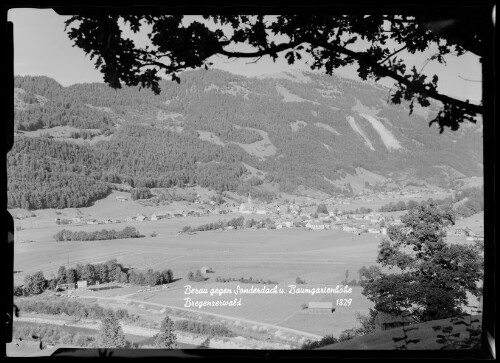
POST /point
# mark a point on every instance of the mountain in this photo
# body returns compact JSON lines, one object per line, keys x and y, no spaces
{"x":286,"y":132}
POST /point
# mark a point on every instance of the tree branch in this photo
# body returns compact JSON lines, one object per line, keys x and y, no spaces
{"x":360,"y":57}
{"x":390,"y":55}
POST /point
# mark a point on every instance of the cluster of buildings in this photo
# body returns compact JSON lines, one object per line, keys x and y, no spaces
{"x":292,"y":215}
{"x":466,"y":232}
{"x":85,"y":220}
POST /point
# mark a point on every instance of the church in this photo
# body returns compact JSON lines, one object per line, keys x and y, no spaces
{"x":247,"y":208}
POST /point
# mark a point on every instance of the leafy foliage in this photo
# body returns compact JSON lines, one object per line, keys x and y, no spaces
{"x":434,"y":276}
{"x":52,"y":335}
{"x":77,"y":309}
{"x":104,"y":234}
{"x":315,"y":344}
{"x":212,"y":330}
{"x":34,"y":284}
{"x":166,"y":338}
{"x":473,"y":198}
{"x":322,"y":209}
{"x":176,"y":45}
{"x":111,"y":333}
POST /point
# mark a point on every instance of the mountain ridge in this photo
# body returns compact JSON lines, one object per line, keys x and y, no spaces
{"x":246,"y":120}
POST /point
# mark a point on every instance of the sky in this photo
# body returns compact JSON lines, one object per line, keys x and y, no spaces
{"x":41,"y":47}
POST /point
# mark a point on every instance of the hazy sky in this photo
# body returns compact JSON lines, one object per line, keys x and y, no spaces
{"x":41,"y":47}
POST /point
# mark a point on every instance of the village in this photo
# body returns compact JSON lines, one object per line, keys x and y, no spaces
{"x":284,"y":215}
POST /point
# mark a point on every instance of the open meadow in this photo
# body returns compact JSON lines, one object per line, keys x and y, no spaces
{"x":320,"y":258}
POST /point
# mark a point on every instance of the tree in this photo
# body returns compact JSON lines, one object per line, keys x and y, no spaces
{"x":434,"y":276}
{"x":111,"y":333}
{"x":167,"y":276}
{"x":198,"y":276}
{"x":52,"y":284}
{"x":166,"y":338}
{"x":152,"y":277}
{"x":61,"y":275}
{"x":322,"y":209}
{"x":102,"y":272}
{"x":34,"y":284}
{"x":331,"y":40}
{"x":89,"y":274}
{"x":205,"y":344}
{"x":71,"y":275}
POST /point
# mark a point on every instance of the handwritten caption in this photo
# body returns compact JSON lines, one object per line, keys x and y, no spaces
{"x":264,"y":290}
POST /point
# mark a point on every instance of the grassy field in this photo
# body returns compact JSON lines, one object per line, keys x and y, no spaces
{"x":321,"y":258}
{"x":281,"y":255}
{"x":318,"y":257}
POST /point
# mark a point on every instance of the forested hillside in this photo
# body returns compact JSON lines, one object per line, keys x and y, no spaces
{"x":296,"y":128}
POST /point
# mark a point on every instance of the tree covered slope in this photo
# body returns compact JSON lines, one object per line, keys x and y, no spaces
{"x":297,"y":128}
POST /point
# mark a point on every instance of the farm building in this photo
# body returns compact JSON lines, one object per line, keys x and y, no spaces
{"x":317,"y":225}
{"x":141,"y":218}
{"x":351,"y":229}
{"x":121,"y":198}
{"x":70,"y":286}
{"x":205,"y":270}
{"x":385,"y":321}
{"x":81,"y":284}
{"x":321,"y":307}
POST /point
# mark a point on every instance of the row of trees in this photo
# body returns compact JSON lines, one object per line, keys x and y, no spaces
{"x":53,"y":335}
{"x":203,"y":328}
{"x":77,"y":309}
{"x":103,"y":234}
{"x":110,"y":271}
{"x":196,"y":276}
{"x":141,"y":193}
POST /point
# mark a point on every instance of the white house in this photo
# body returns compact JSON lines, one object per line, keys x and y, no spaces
{"x":350,"y":229}
{"x":373,"y":230}
{"x":287,"y":224}
{"x":320,"y":306}
{"x":317,"y":225}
